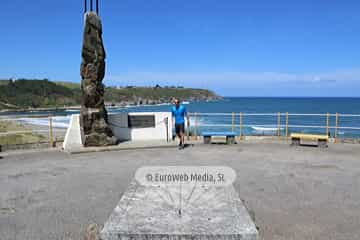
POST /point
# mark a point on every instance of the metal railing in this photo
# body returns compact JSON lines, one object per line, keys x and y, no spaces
{"x":336,"y":125}
{"x":19,"y":131}
{"x":15,"y":131}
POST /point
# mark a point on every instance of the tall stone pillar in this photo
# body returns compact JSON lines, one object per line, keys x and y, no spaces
{"x":93,"y":116}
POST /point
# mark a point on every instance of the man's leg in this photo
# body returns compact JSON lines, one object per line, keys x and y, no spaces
{"x":182,"y":138}
{"x":182,"y":135}
{"x":177,"y":130}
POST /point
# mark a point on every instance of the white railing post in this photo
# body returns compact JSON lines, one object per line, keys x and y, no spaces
{"x":51,"y":138}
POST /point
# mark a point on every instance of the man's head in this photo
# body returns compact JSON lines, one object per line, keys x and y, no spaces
{"x":177,"y":102}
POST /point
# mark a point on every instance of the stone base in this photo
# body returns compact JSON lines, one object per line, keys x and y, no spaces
{"x":98,"y":140}
{"x":94,"y":128}
{"x":147,"y":212}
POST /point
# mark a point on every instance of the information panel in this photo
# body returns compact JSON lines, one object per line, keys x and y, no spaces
{"x":141,"y":121}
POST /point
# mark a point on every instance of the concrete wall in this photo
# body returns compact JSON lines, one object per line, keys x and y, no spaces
{"x":118,"y":122}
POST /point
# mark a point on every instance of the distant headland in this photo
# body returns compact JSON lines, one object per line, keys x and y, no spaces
{"x":30,"y":94}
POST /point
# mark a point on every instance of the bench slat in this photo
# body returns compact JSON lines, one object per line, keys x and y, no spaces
{"x":309,"y":136}
{"x":209,"y":134}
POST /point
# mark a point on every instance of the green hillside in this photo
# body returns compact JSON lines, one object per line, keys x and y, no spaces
{"x":4,"y":82}
{"x":35,"y":93}
{"x":24,"y":94}
{"x":70,"y":85}
{"x":148,"y":95}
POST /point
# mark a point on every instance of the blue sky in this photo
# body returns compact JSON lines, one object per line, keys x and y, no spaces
{"x":236,"y":48}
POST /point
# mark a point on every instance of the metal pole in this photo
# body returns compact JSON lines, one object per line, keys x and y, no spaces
{"x":336,"y":126}
{"x":241,"y":126}
{"x":233,"y":122}
{"x":91,"y":5}
{"x":188,"y":130}
{"x":51,"y":142}
{"x":327,"y":124}
{"x":166,"y":120}
{"x":85,"y":6}
{"x":278,"y":124}
{"x":195,"y":130}
{"x":97,"y":7}
{"x":287,"y":126}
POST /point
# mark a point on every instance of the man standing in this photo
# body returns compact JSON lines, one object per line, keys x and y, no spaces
{"x":179,"y":112}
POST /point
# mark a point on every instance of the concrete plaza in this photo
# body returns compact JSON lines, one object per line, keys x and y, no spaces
{"x":291,"y":192}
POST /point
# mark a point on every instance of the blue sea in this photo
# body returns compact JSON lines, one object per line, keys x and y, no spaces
{"x":260,"y":115}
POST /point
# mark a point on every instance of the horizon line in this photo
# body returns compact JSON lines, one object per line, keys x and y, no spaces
{"x":290,"y":96}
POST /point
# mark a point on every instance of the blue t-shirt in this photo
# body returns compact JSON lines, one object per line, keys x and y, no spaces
{"x":179,"y":114}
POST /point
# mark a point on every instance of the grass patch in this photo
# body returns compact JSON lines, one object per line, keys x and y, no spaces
{"x":18,"y":138}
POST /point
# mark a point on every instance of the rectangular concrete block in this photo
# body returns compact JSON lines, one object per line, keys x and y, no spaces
{"x":180,"y":212}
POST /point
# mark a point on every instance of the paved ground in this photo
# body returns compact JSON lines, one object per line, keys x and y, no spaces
{"x":294,"y":193}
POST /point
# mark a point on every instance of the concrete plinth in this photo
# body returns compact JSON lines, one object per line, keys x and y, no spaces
{"x":179,"y":212}
{"x":118,"y":122}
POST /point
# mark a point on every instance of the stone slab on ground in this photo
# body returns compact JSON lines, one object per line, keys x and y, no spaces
{"x":152,"y":212}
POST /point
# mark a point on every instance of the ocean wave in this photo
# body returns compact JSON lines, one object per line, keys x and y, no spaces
{"x":163,"y":104}
{"x":265,"y":129}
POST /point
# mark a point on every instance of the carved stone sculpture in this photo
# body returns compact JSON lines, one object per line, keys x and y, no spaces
{"x":93,"y":116}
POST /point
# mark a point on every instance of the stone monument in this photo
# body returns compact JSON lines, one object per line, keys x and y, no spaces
{"x":95,"y":130}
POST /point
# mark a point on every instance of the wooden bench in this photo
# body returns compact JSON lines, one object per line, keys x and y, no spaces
{"x":230,"y":136}
{"x":304,"y":138}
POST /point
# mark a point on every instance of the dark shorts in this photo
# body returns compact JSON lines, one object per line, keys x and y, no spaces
{"x":179,"y":128}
